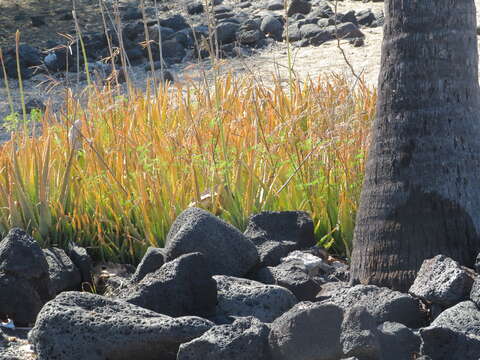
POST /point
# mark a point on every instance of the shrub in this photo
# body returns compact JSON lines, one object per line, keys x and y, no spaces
{"x":236,"y":148}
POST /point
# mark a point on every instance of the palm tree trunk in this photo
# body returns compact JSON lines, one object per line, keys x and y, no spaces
{"x":421,"y":193}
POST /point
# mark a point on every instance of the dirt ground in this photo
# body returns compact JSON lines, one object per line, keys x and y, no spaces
{"x":57,"y":15}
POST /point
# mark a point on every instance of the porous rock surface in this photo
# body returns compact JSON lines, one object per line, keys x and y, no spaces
{"x":292,"y":275}
{"x":82,"y":261}
{"x":475,"y":292}
{"x":382,"y":303}
{"x":277,"y":233}
{"x":294,"y":226}
{"x":24,"y":278}
{"x":226,"y":249}
{"x":442,"y":281}
{"x":308,"y":331}
{"x":359,"y":336}
{"x":242,"y":297}
{"x":153,"y":260}
{"x":397,"y":342}
{"x":245,"y":339}
{"x":445,"y":343}
{"x":243,"y":319}
{"x":79,"y":326}
{"x":464,"y":317}
{"x":64,"y":275}
{"x":180,"y":287}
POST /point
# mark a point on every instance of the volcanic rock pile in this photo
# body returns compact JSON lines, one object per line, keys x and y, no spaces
{"x":216,"y":293}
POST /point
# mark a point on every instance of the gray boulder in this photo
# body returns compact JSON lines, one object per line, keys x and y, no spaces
{"x":292,"y":33}
{"x":227,"y":250}
{"x":349,"y":16}
{"x":292,"y":275}
{"x":296,"y":226}
{"x":272,"y":27}
{"x":245,"y":339}
{"x":341,"y":272}
{"x":323,"y":23}
{"x":271,"y":252}
{"x":365,"y":17}
{"x":276,"y":234}
{"x":176,"y":22}
{"x":321,"y":37}
{"x":173,"y":50}
{"x":222,"y":9}
{"x":19,"y":300}
{"x":28,"y":57}
{"x":442,"y":281}
{"x":20,"y":256}
{"x":312,"y":260}
{"x":226,"y":32}
{"x":359,"y":335}
{"x":308,"y":331}
{"x":330,"y":289}
{"x":299,"y":7}
{"x":241,"y":297}
{"x":463,"y":318}
{"x":397,"y":342}
{"x":345,"y":31}
{"x":477,"y":264}
{"x":153,"y":260}
{"x":79,"y":326}
{"x":382,"y":303}
{"x":24,"y":278}
{"x":64,"y":275}
{"x":250,"y":37}
{"x":156,"y":32}
{"x":321,"y":10}
{"x":250,"y":33}
{"x":244,"y":4}
{"x":310,"y":30}
{"x":475,"y":292}
{"x":443,"y":343}
{"x":82,"y":261}
{"x":195,"y":8}
{"x":181,"y":287}
{"x":276,"y":5}
{"x":225,"y":16}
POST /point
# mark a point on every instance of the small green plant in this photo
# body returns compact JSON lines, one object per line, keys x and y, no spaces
{"x":36,"y":115}
{"x":14,"y":122}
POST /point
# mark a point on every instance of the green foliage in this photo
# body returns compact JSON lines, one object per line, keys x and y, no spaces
{"x":236,"y":149}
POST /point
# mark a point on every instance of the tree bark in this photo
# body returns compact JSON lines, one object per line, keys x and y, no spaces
{"x":421,"y":193}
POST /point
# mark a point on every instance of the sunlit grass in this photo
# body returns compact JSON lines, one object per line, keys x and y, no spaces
{"x":241,"y":147}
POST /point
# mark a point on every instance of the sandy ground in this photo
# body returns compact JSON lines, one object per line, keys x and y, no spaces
{"x":307,"y":62}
